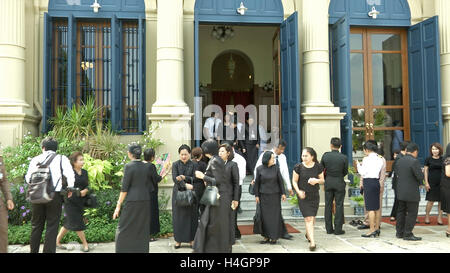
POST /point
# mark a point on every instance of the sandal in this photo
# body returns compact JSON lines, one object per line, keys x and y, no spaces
{"x":353,"y":223}
{"x":360,"y":223}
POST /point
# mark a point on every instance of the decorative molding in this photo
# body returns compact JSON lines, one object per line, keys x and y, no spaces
{"x":12,"y":22}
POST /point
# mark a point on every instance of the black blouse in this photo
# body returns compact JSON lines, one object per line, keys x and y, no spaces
{"x":305,"y":174}
{"x":136,"y":181}
{"x":155,"y":178}
{"x":434,"y":169}
{"x":187,"y":169}
{"x":81,"y":181}
{"x":268,"y":180}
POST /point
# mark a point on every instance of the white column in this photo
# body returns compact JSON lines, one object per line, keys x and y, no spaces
{"x":169,"y":67}
{"x":12,"y":53}
{"x":321,"y":119}
{"x":443,"y":11}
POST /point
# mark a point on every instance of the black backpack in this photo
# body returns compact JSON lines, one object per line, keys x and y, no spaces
{"x":41,"y":190}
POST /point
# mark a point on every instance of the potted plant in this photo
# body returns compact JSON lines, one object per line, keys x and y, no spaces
{"x":353,"y":189}
{"x":357,"y":202}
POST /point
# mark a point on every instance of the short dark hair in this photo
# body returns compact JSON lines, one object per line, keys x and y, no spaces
{"x":375,"y":143}
{"x":412,"y":147}
{"x":135,"y":150}
{"x":49,"y":144}
{"x":266,"y":158}
{"x":184,"y":147}
{"x":149,"y":154}
{"x":229,"y":149}
{"x":282,"y":143}
{"x":403,"y":145}
{"x":438,"y":146}
{"x":370,"y":146}
{"x":336,"y":142}
{"x":197,"y":152}
{"x":74,"y":157}
{"x":210,"y":146}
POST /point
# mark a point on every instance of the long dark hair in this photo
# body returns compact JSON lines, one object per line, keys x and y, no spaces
{"x":447,"y":151}
{"x":312,"y":152}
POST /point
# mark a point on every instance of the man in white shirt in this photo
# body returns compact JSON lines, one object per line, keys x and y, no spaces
{"x":49,"y":214}
{"x":281,"y":162}
{"x":240,"y":161}
{"x":211,"y":127}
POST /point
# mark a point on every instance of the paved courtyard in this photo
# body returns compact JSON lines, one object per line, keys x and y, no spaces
{"x":433,"y":241}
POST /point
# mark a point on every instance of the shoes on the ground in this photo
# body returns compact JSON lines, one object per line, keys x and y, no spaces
{"x":440,"y":223}
{"x":177,"y":246}
{"x":264,"y":242}
{"x":400,"y":236}
{"x":447,"y":234}
{"x":412,"y":238}
{"x":85,"y":249}
{"x":340,"y":232}
{"x":378,"y":232}
{"x":392,"y":219}
{"x":287,"y":236}
{"x":312,"y":248}
{"x":353,"y":223}
{"x":330,"y":231}
{"x":370,"y":235}
{"x":363,"y":226}
{"x":272,"y":242}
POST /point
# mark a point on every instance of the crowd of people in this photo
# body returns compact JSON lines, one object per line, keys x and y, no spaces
{"x":217,"y":168}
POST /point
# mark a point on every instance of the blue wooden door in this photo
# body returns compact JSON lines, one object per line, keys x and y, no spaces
{"x":47,"y":106}
{"x":425,"y":84}
{"x":290,"y":89}
{"x":340,"y":44}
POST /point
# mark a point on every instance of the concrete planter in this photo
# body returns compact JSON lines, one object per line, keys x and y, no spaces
{"x":354,"y":192}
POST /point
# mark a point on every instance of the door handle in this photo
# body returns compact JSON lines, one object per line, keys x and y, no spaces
{"x":371,"y":125}
{"x":367,"y":126}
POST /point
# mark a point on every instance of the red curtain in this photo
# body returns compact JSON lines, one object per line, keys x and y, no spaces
{"x":223,"y":98}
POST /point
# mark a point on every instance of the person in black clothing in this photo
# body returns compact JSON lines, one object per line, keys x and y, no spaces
{"x":231,"y":167}
{"x":432,"y":171}
{"x":239,"y":136}
{"x":336,"y":168}
{"x":74,"y":206}
{"x":306,"y":178}
{"x":155,"y":178}
{"x":402,"y":153}
{"x":132,"y":235}
{"x":251,"y":143}
{"x":213,"y":233}
{"x":445,"y":186}
{"x":269,"y":191}
{"x":410,"y":177}
{"x":185,"y":219}
{"x":199,"y":185}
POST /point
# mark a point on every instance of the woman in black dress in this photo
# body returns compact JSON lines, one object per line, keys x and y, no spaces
{"x":213,"y":233}
{"x":132,"y":234}
{"x":185,"y":219}
{"x":269,"y":191}
{"x":155,"y":178}
{"x":199,"y":185}
{"x":306,"y":178}
{"x":445,"y":186}
{"x":251,"y":143}
{"x":432,"y":172}
{"x":232,"y":170}
{"x":74,"y":206}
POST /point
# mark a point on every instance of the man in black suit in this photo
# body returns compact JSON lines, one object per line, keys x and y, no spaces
{"x":336,"y":167}
{"x":410,"y":177}
{"x":402,"y":153}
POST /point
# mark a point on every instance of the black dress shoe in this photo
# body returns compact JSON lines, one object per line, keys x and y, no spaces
{"x":378,"y":232}
{"x":264,"y":242}
{"x":340,"y":232}
{"x":364,"y":227}
{"x":312,"y":248}
{"x":412,"y":238}
{"x":400,"y":236}
{"x":330,"y":232}
{"x":287,"y":236}
{"x":371,"y":235}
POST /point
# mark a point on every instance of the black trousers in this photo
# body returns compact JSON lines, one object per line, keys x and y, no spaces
{"x":406,"y":217}
{"x":395,"y":206}
{"x":237,"y":232}
{"x":49,"y":213}
{"x":337,"y":193}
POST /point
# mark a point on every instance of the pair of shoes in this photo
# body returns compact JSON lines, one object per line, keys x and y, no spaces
{"x":306,"y":236}
{"x":353,"y":223}
{"x":287,"y":236}
{"x":412,"y":238}
{"x":399,"y":236}
{"x":392,"y":219}
{"x":371,"y":235}
{"x":312,"y":248}
{"x":85,"y":249}
{"x":363,"y":226}
{"x":264,"y":241}
{"x":272,"y":242}
{"x":330,"y":232}
{"x":340,"y":232}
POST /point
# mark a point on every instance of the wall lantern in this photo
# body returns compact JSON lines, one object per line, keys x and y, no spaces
{"x":241,"y":10}
{"x":373,"y":13}
{"x":95,"y":6}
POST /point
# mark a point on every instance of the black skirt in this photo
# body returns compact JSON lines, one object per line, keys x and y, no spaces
{"x":272,"y":222}
{"x":445,"y":194}
{"x":154,"y":213}
{"x":132,"y":235}
{"x":74,"y":209}
{"x":185,"y":221}
{"x":371,"y":194}
{"x":310,"y":205}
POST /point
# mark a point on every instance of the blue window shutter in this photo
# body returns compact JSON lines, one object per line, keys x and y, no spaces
{"x":47,"y":108}
{"x":71,"y":77}
{"x":290,"y":89}
{"x":115,"y":84}
{"x":141,"y":76}
{"x":425,"y":84}
{"x":340,"y":46}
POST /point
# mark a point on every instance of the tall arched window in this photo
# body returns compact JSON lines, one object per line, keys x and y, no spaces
{"x":99,"y":56}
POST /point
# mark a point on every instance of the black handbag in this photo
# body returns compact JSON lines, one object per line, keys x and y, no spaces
{"x":210,"y":196}
{"x":185,"y":198}
{"x":257,"y":223}
{"x":251,"y":189}
{"x":90,"y":201}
